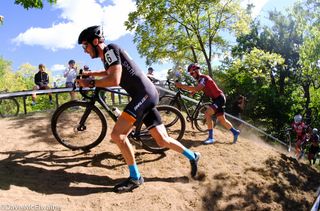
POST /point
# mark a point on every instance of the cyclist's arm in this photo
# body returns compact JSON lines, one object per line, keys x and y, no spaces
{"x":112,"y":78}
{"x":197,"y":88}
{"x":100,"y":73}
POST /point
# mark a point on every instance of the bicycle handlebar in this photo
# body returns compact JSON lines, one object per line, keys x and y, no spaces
{"x":84,"y":94}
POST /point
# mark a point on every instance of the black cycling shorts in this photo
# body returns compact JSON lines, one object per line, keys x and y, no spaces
{"x":143,"y":108}
{"x":218,"y":105}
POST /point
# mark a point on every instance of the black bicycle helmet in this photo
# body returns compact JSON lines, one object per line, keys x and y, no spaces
{"x":71,"y":62}
{"x":90,"y":33}
{"x":193,"y":66}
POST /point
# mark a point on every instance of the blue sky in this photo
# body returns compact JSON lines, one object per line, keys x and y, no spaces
{"x":49,"y":36}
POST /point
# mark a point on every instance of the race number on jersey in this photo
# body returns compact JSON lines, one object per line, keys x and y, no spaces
{"x":110,"y":56}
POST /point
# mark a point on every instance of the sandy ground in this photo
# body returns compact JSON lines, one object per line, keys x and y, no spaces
{"x":37,"y":173}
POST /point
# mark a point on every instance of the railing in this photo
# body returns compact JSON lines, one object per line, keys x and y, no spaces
{"x":162,"y":90}
{"x":229,"y":115}
{"x":56,"y":91}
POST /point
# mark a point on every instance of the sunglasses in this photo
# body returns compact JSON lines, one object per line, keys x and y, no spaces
{"x":85,"y":46}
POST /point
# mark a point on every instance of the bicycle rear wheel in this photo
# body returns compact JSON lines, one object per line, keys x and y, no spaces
{"x":79,"y":125}
{"x":200,"y":119}
{"x":9,"y":107}
{"x":175,"y":131}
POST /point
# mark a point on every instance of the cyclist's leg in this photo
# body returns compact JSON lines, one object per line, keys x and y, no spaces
{"x":298,"y":146}
{"x":218,"y":107}
{"x":50,"y":95}
{"x":158,"y":131}
{"x":34,"y":95}
{"x":119,"y":135}
{"x":208,"y":115}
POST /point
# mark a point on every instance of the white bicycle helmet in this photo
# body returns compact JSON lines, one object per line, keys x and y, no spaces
{"x":315,"y":131}
{"x":297,"y":118}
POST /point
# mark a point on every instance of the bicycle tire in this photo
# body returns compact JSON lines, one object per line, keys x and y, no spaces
{"x":200,"y":119}
{"x":171,"y":101}
{"x":9,"y":107}
{"x":175,"y":131}
{"x":67,"y":131}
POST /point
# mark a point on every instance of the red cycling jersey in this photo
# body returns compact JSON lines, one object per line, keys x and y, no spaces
{"x":210,"y":87}
{"x":300,"y":129}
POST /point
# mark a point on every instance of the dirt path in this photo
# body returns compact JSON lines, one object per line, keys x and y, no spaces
{"x":37,"y":172}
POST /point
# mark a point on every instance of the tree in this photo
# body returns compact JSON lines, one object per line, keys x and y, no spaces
{"x":27,"y":4}
{"x":252,"y":76}
{"x":307,"y":16}
{"x":181,"y":30}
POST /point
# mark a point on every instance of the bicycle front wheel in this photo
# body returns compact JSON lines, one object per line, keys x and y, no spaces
{"x":79,"y":125}
{"x":200,"y":119}
{"x":9,"y":107}
{"x":171,"y":101}
{"x":175,"y":131}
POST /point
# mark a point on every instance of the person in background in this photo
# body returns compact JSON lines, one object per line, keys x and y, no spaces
{"x":86,"y":68}
{"x":150,"y":75}
{"x":210,"y":89}
{"x":238,"y":108}
{"x":70,"y":74}
{"x":121,"y":70}
{"x":41,"y":79}
{"x":314,"y":142}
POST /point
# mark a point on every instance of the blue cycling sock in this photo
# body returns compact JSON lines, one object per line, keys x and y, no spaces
{"x":234,"y":131}
{"x":134,"y":172}
{"x":189,"y":154}
{"x":210,"y":133}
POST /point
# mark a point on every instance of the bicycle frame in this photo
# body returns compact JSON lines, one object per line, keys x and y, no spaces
{"x":190,"y":115}
{"x":98,"y":98}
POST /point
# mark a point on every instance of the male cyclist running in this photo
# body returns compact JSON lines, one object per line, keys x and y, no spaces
{"x":121,"y":70}
{"x":300,"y":128}
{"x":210,"y":88}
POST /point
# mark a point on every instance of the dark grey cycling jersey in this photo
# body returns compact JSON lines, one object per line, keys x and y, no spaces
{"x":142,"y":91}
{"x":133,"y":80}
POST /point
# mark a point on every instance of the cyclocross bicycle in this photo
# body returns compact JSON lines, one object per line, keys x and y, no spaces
{"x":81,"y":125}
{"x":196,"y":117}
{"x":9,"y":107}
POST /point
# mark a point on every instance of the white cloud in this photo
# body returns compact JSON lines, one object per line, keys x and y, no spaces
{"x":57,"y":67}
{"x":77,"y":15}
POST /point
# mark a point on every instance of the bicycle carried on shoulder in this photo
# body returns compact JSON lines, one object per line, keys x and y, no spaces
{"x":196,"y":117}
{"x":81,"y":125}
{"x":9,"y":106}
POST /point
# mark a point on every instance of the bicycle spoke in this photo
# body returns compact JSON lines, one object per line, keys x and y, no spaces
{"x":75,"y":136}
{"x":8,"y":107}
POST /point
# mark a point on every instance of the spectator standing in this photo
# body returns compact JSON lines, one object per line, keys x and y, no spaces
{"x":150,"y":75}
{"x":70,"y":74}
{"x":41,"y":79}
{"x":238,"y":106}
